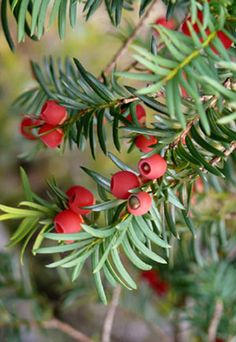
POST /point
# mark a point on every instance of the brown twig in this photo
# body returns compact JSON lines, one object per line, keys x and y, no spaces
{"x":129,"y":40}
{"x":185,"y":132}
{"x":109,"y":319}
{"x":212,"y":331}
{"x":215,"y":160}
{"x":226,"y":152}
{"x":66,"y":329}
{"x":131,"y":66}
{"x":54,"y":323}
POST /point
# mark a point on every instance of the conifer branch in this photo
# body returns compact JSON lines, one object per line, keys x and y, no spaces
{"x":227,"y":152}
{"x":123,"y":49}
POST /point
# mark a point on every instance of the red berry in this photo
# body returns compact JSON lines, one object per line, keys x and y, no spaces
{"x":140,"y":113}
{"x":122,"y":182}
{"x":152,"y":167}
{"x":53,"y":113}
{"x":169,"y":24}
{"x":161,"y":288}
{"x":53,"y":138}
{"x":153,"y":279}
{"x":219,"y":340}
{"x":144,"y":143}
{"x":67,"y":222}
{"x":185,"y":28}
{"x":139,"y":203}
{"x":149,"y":276}
{"x":225,"y":40}
{"x":26,"y":127}
{"x":80,"y":197}
{"x":199,"y":186}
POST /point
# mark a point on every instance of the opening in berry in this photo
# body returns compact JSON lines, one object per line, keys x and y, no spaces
{"x":73,"y":198}
{"x":134,"y":202}
{"x":146,"y":168}
{"x":28,"y":129}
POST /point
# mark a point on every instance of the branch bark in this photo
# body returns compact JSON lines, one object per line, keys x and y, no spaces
{"x":66,"y":329}
{"x":212,"y":331}
{"x":109,"y":319}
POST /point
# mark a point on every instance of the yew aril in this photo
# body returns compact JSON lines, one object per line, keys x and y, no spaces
{"x":169,"y":24}
{"x":140,"y":114}
{"x":51,"y":137}
{"x":152,"y":167}
{"x":79,"y":197}
{"x":144,"y":143}
{"x":27,"y":127}
{"x":67,"y":222}
{"x":225,"y":40}
{"x":122,"y":182}
{"x":139,"y":203}
{"x":53,"y":114}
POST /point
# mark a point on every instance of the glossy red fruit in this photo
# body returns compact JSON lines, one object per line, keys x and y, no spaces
{"x":67,"y":222}
{"x":122,"y":182}
{"x":139,"y":203}
{"x":225,"y":40}
{"x":169,"y":24}
{"x":80,"y":197}
{"x":53,"y":113}
{"x":26,"y":127}
{"x":53,"y":138}
{"x":140,"y":113}
{"x":152,"y":167}
{"x":144,"y":143}
{"x":154,"y":280}
{"x":196,"y":28}
{"x":219,"y":340}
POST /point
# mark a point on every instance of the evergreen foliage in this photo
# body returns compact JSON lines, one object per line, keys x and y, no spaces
{"x":189,"y":82}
